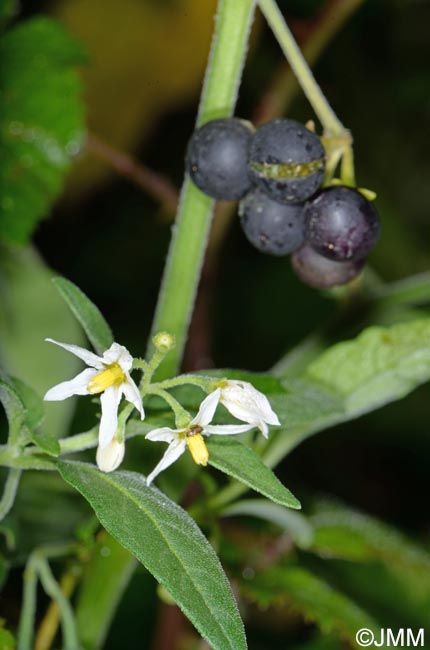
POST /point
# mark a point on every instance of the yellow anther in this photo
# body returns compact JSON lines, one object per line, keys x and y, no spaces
{"x":114,"y":374}
{"x":197,"y":447}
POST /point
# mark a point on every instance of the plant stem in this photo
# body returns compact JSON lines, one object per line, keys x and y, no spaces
{"x":52,"y":588}
{"x":281,"y":92}
{"x":205,"y":383}
{"x":328,"y":118}
{"x":25,"y":461}
{"x":182,"y":417}
{"x":188,"y":245}
{"x":28,"y":611}
{"x":9,"y":493}
{"x":48,"y":627}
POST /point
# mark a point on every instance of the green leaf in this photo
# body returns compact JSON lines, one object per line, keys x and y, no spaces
{"x":27,"y":296}
{"x":381,"y":365}
{"x":24,"y":409}
{"x":294,"y":523}
{"x":41,"y":122}
{"x":314,"y":599}
{"x":344,"y":533}
{"x":32,"y":402}
{"x":15,"y":410}
{"x":45,"y":441}
{"x":168,"y":543}
{"x":89,"y":316}
{"x":240,"y":462}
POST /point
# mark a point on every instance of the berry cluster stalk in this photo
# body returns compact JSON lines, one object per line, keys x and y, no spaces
{"x":328,"y":118}
{"x":193,"y":220}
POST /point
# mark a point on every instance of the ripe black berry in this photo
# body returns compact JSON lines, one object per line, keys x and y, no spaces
{"x":287,"y":161}
{"x":341,"y":224}
{"x":272,"y":227}
{"x":217,"y":158}
{"x":322,"y":273}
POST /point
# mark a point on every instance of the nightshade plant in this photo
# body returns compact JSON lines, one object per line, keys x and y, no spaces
{"x":241,"y":424}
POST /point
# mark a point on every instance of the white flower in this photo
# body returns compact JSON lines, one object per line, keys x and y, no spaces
{"x":110,"y":457}
{"x":246,"y":403}
{"x":192,"y":436}
{"x":110,"y":376}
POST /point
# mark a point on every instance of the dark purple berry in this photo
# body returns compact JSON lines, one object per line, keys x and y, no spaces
{"x":322,"y":273}
{"x":341,"y":224}
{"x":217,"y":158}
{"x":287,"y":161}
{"x":272,"y":227}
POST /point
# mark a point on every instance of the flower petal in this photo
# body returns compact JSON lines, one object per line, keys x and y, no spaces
{"x":132,"y":394}
{"x":109,"y":400}
{"x":174,"y":450}
{"x":76,"y":386}
{"x":247,"y":403}
{"x":165,"y":434}
{"x":110,"y":457}
{"x":263,"y":428}
{"x":207,"y":409}
{"x":265,"y":409}
{"x":118,"y":354}
{"x":90,"y":358}
{"x":227,"y":429}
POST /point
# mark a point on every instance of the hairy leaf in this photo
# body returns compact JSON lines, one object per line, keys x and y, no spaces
{"x":15,"y":409}
{"x":341,"y":532}
{"x":32,"y":402}
{"x":41,"y":121}
{"x":26,"y":288}
{"x":381,"y":365}
{"x":240,"y":462}
{"x":167,"y":541}
{"x":24,"y":410}
{"x":299,"y":590}
{"x":89,"y":316}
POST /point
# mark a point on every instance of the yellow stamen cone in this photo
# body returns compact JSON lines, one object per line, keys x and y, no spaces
{"x":112,"y":375}
{"x":198,"y":449}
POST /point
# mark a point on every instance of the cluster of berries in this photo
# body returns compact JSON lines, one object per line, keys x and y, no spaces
{"x":276,"y":172}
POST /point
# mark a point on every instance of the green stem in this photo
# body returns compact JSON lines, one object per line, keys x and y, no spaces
{"x":347,"y":172}
{"x":80,"y":441}
{"x":28,"y":611}
{"x":188,"y":245}
{"x":182,"y":417}
{"x":205,"y":383}
{"x":328,"y":118}
{"x":9,"y":493}
{"x":25,"y":461}
{"x":52,"y":588}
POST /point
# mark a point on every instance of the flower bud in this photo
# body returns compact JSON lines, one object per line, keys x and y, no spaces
{"x":110,"y":457}
{"x":164,"y":342}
